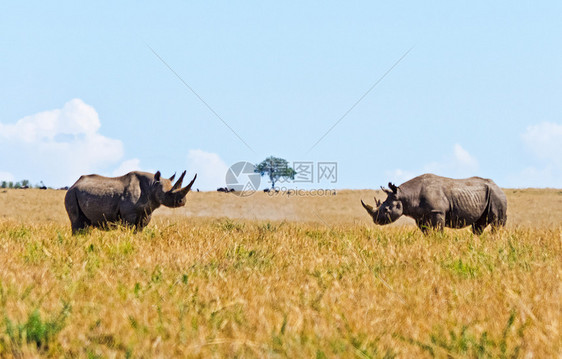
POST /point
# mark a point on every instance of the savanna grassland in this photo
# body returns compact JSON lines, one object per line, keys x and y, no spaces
{"x":279,"y":276}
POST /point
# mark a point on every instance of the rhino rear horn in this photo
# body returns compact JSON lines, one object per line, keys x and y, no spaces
{"x":172,"y":178}
{"x":177,"y":185}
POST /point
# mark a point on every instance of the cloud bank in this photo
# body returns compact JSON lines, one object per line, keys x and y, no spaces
{"x":57,"y":146}
{"x":544,"y":142}
{"x":210,"y":169}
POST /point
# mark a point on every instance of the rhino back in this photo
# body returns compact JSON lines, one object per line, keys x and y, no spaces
{"x":101,"y":198}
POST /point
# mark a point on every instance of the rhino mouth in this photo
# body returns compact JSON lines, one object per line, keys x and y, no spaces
{"x":382,"y":219}
{"x":173,"y":200}
{"x":379,"y":217}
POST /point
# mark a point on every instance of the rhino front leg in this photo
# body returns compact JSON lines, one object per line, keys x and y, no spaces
{"x":129,"y":219}
{"x":423,"y":225}
{"x":437,"y":220}
{"x":434,"y":221}
{"x":143,"y":222}
{"x":78,"y":225}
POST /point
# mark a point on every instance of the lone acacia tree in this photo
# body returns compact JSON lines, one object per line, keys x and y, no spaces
{"x":275,"y":168}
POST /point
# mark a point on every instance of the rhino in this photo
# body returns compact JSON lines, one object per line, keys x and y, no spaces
{"x":130,"y":199}
{"x":435,"y":202}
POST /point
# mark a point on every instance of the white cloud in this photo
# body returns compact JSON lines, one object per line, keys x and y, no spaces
{"x":127,"y":166}
{"x":210,"y":169}
{"x":463,"y":159}
{"x":545,"y":141}
{"x":57,"y":146}
{"x":458,"y":164}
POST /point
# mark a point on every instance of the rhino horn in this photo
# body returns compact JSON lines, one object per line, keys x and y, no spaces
{"x":186,"y":189}
{"x":177,"y":185}
{"x":369,"y":209}
{"x":172,"y":178}
{"x":377,"y":202}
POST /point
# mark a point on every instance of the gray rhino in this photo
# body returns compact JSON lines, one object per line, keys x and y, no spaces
{"x":130,"y":199}
{"x":435,"y":202}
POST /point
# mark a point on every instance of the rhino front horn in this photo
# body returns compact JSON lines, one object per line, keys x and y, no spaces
{"x":188,"y":187}
{"x":368,"y":208}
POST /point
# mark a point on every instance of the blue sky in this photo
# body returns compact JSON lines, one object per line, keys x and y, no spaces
{"x":478,"y":94}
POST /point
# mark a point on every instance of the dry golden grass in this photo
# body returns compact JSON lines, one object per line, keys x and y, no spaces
{"x":279,"y":277}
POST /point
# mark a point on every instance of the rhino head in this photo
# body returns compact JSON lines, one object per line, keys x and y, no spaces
{"x":389,"y":210}
{"x":163,"y":192}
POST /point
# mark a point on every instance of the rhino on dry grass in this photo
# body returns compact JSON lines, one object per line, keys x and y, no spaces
{"x":130,"y":199}
{"x":435,"y":202}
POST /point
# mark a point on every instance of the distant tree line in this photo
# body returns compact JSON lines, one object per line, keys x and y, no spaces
{"x":21,"y":184}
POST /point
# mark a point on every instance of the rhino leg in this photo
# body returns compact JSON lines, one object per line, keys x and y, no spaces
{"x":136,"y":220}
{"x":494,"y":214}
{"x":437,"y":220}
{"x":478,"y":227}
{"x":423,"y":226}
{"x":78,"y":221}
{"x":499,"y":219}
{"x":434,"y":221}
{"x":497,"y":224}
{"x":142,"y":222}
{"x":491,"y":216}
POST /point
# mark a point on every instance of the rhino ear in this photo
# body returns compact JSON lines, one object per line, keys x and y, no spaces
{"x":157,"y":176}
{"x":393,"y":187}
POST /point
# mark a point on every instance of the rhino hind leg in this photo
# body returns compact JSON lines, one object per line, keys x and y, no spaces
{"x":78,"y":221}
{"x":496,"y":218}
{"x":499,"y":219}
{"x":497,"y":223}
{"x":478,"y":227}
